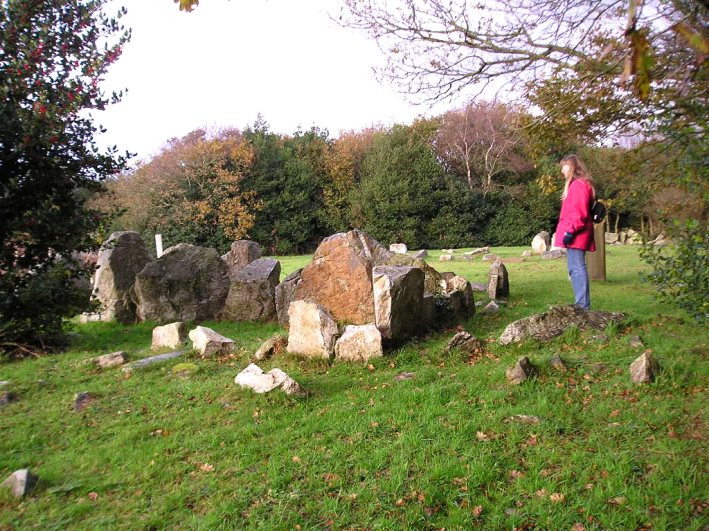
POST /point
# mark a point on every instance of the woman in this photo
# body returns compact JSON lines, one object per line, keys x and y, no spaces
{"x":575,"y":229}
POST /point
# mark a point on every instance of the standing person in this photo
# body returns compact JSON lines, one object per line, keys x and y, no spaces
{"x":575,"y":228}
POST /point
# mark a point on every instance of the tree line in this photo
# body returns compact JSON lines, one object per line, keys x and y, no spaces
{"x":484,"y":174}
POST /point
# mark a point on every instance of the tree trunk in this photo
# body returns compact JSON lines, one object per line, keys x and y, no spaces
{"x":642,"y":224}
{"x":617,"y":223}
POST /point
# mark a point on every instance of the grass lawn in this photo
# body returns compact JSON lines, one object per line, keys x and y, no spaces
{"x":365,"y":451}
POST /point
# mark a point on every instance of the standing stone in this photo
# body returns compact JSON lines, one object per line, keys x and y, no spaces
{"x":611,"y":237}
{"x":527,"y":253}
{"x":207,"y":342}
{"x":541,"y":242}
{"x":169,"y":336}
{"x":644,"y":369}
{"x":399,"y":248}
{"x":120,"y":259}
{"x":313,"y":330}
{"x":253,"y":377}
{"x":359,"y":343}
{"x":284,"y":295}
{"x":459,"y":289}
{"x":522,"y":370}
{"x":398,"y":296}
{"x":20,"y":482}
{"x":432,"y":278}
{"x":241,"y":254}
{"x":490,"y":257}
{"x":252,"y":292}
{"x":270,"y":347}
{"x":340,"y":276}
{"x":423,"y":253}
{"x":114,"y":359}
{"x":498,"y":281}
{"x":187,"y":283}
{"x":446,"y":258}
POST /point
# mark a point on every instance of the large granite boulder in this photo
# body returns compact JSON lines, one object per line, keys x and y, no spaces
{"x":187,"y":283}
{"x":284,"y":295}
{"x":313,"y":331}
{"x":340,"y":276}
{"x":252,"y":292}
{"x":398,"y":297}
{"x":432,"y":282}
{"x":398,"y":248}
{"x":241,"y":254}
{"x":498,"y":281}
{"x":462,"y":301}
{"x":547,"y":325}
{"x":120,"y":259}
{"x":541,"y":242}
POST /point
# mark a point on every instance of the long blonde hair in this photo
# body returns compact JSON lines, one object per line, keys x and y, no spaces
{"x":580,"y":172}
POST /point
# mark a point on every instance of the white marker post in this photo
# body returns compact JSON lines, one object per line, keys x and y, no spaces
{"x":158,"y":244}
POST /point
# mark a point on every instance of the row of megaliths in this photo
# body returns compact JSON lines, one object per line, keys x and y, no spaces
{"x":352,"y":277}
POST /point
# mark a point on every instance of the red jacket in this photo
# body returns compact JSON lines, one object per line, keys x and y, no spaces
{"x":575,"y":217}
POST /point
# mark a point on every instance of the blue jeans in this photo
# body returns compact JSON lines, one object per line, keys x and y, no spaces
{"x":576,"y":262}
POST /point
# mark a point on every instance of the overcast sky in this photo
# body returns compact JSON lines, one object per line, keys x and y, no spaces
{"x":230,"y":60}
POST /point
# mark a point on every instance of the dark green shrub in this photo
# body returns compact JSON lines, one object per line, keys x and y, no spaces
{"x":680,"y":271}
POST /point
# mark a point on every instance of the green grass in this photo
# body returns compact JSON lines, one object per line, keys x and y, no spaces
{"x":158,"y":451}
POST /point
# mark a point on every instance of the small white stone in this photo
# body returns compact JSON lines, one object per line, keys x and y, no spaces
{"x":207,"y":342}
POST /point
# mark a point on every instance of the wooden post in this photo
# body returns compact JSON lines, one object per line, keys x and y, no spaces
{"x":596,"y":262}
{"x":158,"y":245}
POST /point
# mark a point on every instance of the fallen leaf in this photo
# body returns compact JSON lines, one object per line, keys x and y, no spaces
{"x":330,"y":477}
{"x":482,"y":436}
{"x":578,"y":527}
{"x":614,"y":413}
{"x":516,"y":474}
{"x":400,"y":502}
{"x":477,"y":510}
{"x":618,"y":500}
{"x":295,"y":459}
{"x":93,"y":496}
{"x":557,"y":497}
{"x":542,"y":493}
{"x":374,"y":424}
{"x":206,"y":467}
{"x":370,"y":367}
